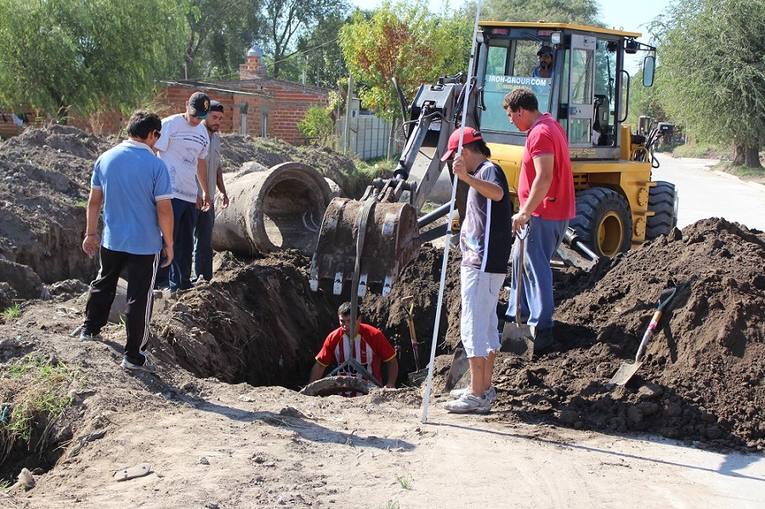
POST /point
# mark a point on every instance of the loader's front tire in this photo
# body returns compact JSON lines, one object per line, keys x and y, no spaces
{"x":603,"y":221}
{"x":662,"y":199}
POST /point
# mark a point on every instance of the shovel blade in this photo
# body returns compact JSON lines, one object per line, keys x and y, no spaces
{"x":625,"y":373}
{"x":458,"y":368}
{"x":518,"y":339}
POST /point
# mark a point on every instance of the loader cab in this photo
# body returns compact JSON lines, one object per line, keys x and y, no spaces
{"x":587,"y":91}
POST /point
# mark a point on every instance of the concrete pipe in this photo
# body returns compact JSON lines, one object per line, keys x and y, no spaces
{"x":275,"y":209}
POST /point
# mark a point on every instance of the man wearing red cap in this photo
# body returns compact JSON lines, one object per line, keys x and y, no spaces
{"x":546,"y":196}
{"x":485,"y":246}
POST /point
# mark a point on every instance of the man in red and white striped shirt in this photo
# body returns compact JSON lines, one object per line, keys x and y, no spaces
{"x":370,"y":348}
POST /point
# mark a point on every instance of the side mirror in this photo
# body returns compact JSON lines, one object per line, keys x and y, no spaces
{"x":649,"y":66}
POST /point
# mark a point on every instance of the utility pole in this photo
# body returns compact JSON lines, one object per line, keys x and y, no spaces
{"x":348,"y":108}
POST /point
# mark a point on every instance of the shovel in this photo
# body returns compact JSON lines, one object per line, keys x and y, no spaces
{"x":517,"y":338}
{"x":628,"y":369}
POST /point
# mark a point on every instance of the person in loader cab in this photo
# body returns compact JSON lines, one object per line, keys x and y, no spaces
{"x":485,"y":246}
{"x":370,"y":348}
{"x":547,"y":203}
{"x":546,"y":60}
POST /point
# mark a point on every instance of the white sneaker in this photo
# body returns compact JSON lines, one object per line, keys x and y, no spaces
{"x":469,"y":403}
{"x":490,"y":394}
{"x":147,"y":365}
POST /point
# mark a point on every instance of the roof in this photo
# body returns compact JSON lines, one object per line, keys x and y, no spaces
{"x":559,"y":26}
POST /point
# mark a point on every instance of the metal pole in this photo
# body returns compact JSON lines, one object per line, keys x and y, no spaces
{"x":348,"y":106}
{"x":444,"y":264}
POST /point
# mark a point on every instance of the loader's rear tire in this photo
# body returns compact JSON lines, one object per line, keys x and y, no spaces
{"x":603,"y":221}
{"x":332,"y":385}
{"x":662,"y":199}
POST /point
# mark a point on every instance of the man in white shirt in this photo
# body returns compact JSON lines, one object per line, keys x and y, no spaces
{"x":183,"y":147}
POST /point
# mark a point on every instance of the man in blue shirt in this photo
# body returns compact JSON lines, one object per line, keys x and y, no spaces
{"x":133,"y":187}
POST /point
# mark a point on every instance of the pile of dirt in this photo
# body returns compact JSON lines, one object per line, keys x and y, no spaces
{"x":44,"y":185}
{"x":237,"y":149}
{"x":704,"y":372}
{"x":257,"y":322}
{"x":416,"y":292}
{"x":45,"y":181}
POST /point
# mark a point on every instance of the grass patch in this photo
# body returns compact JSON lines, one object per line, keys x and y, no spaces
{"x":404,"y":482}
{"x":81,"y":204}
{"x":37,"y":392}
{"x":392,"y":504}
{"x":702,"y":151}
{"x":11,"y":312}
{"x":745,"y":172}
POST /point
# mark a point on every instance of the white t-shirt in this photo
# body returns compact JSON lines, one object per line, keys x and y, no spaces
{"x":180,"y":147}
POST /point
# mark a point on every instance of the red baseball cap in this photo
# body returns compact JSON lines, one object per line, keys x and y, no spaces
{"x":471,"y":135}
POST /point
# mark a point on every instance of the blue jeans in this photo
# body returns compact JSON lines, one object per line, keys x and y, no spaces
{"x":537,"y":302}
{"x":184,"y":218}
{"x":203,"y":252}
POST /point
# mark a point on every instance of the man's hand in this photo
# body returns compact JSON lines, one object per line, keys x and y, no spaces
{"x":203,"y":202}
{"x":225,"y":200}
{"x":167,"y":254}
{"x":519,"y":220}
{"x":459,"y":168}
{"x":90,"y":244}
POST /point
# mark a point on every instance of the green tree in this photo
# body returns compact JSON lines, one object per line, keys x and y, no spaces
{"x":317,"y":125}
{"x":405,"y":42}
{"x":86,"y":55}
{"x":713,"y":67}
{"x":646,"y":100}
{"x":573,"y":11}
{"x":286,"y":20}
{"x":219,"y":35}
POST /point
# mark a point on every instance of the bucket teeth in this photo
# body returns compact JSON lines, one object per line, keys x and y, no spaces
{"x":391,"y":240}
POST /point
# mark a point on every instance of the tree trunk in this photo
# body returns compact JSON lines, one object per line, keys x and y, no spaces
{"x":752,"y":157}
{"x":391,"y":139}
{"x":738,"y":155}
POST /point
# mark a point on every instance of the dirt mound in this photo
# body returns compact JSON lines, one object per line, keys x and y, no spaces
{"x":44,"y":184}
{"x":417,"y":287}
{"x":45,"y":181}
{"x":257,"y":322}
{"x":703,"y":375}
{"x":237,"y":149}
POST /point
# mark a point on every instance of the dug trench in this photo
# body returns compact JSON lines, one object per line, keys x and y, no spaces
{"x":702,"y":379}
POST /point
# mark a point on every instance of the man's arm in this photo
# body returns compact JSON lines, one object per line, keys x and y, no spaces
{"x":202,"y":177}
{"x":391,"y":367}
{"x":92,"y":240}
{"x":317,"y":371}
{"x":165,"y":219}
{"x":543,"y":165}
{"x":488,"y":190}
{"x":221,"y":185}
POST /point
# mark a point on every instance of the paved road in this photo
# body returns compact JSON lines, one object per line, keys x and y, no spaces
{"x":707,"y":193}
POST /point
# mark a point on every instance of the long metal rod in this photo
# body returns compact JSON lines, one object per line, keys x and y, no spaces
{"x":445,"y":262}
{"x":434,"y":215}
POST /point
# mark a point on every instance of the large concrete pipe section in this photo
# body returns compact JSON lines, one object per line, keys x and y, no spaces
{"x":279,"y":208}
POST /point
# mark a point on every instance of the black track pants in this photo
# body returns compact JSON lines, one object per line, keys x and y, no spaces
{"x":141,"y":270}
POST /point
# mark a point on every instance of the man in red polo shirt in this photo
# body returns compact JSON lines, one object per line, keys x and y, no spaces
{"x":547,"y":203}
{"x":370,"y":348}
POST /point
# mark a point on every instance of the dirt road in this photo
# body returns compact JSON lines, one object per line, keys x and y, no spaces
{"x":269,"y":447}
{"x":707,"y":193}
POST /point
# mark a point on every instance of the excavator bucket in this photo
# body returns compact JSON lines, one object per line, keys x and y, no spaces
{"x":386,"y":233}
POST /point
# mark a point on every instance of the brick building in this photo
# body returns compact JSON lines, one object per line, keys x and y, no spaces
{"x":255,"y":104}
